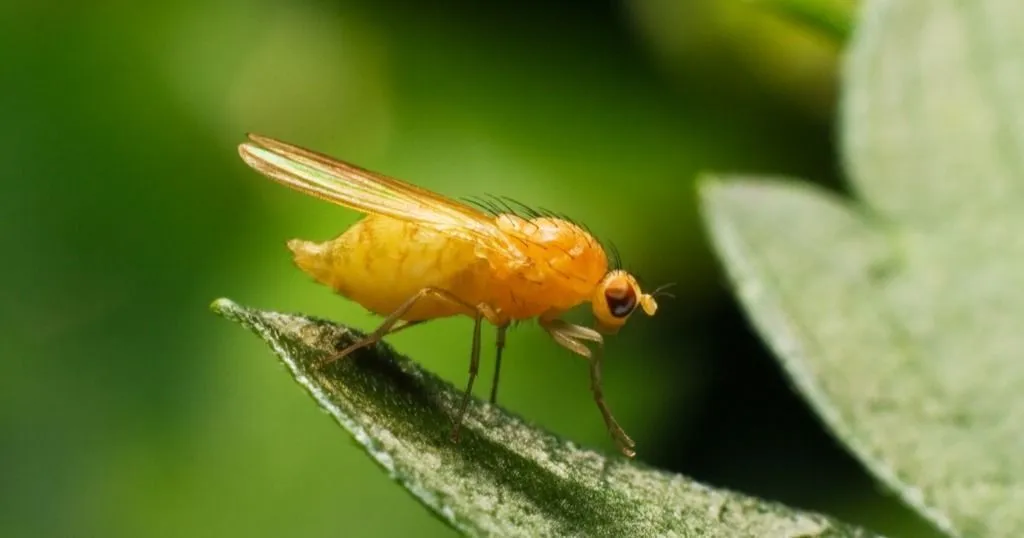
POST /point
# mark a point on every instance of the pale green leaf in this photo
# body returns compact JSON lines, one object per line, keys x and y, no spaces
{"x":902,"y":319}
{"x":505,"y":477}
{"x":933,"y":111}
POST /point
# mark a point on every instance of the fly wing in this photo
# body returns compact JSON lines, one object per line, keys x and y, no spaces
{"x":368,"y":192}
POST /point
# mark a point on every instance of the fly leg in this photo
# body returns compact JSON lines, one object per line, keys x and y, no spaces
{"x":481,"y":312}
{"x":500,"y":344}
{"x":474,"y":364}
{"x":388,"y":325}
{"x":569,"y":336}
{"x":478,"y":312}
{"x":371,"y":339}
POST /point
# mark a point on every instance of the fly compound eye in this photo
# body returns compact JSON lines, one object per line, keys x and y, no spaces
{"x":621,"y":300}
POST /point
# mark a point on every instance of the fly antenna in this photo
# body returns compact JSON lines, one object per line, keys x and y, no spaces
{"x":660,"y":291}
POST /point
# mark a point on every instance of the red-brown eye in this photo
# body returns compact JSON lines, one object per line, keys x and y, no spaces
{"x":621,"y":301}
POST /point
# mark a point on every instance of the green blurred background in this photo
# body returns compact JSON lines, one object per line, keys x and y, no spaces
{"x":127,"y":409}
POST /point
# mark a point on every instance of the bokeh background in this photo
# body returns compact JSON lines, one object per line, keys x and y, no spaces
{"x":127,"y":409}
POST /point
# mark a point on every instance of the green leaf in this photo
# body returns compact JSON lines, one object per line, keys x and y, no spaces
{"x":902,"y":318}
{"x":504,"y":477}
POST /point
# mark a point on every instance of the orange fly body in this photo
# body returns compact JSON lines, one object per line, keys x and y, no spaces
{"x":418,"y":255}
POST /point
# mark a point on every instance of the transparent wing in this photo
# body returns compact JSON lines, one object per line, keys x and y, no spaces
{"x":368,"y":192}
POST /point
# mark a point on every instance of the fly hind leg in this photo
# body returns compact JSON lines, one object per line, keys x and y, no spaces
{"x":478,"y":312}
{"x":390,"y":324}
{"x":370,"y":339}
{"x":569,"y":336}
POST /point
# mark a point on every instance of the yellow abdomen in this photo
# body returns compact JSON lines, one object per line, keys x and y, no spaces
{"x":381,"y":262}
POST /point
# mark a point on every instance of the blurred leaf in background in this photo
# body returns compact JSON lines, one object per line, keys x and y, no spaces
{"x":128,"y":411}
{"x":898,"y":312}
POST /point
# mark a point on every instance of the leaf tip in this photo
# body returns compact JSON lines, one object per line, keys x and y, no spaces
{"x":708,"y":186}
{"x":740,"y":194}
{"x":225,"y":307}
{"x":716,"y":191}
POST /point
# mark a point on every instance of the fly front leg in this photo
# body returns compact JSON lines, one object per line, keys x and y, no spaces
{"x":569,"y":336}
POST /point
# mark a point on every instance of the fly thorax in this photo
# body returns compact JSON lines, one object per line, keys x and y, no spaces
{"x":557,"y":252}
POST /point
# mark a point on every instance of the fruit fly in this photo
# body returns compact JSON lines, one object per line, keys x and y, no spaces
{"x":418,"y":256}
